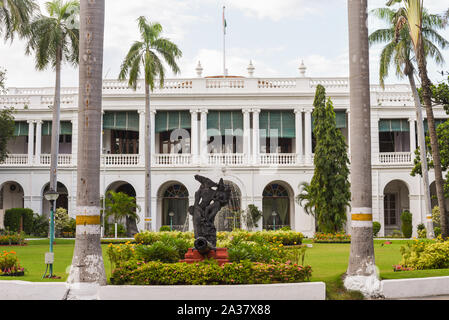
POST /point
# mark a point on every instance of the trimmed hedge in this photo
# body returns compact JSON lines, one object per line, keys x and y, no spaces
{"x":331,"y":238}
{"x":12,"y":239}
{"x":208,"y":273}
{"x":14,"y":216}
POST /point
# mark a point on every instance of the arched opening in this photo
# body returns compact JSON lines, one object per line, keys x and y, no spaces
{"x":129,"y":224}
{"x":276,"y":207}
{"x":62,"y":202}
{"x":11,"y":196}
{"x":175,"y":203}
{"x":396,"y":201}
{"x":228,"y":218}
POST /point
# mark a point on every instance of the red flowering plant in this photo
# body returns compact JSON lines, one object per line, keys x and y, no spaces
{"x":9,"y":264}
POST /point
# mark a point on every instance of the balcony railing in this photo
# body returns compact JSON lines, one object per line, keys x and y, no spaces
{"x":173,"y":159}
{"x":63,"y":160}
{"x":278,"y":159}
{"x":226,"y":159}
{"x":120,"y":160}
{"x":16,"y":160}
{"x":395,"y":158}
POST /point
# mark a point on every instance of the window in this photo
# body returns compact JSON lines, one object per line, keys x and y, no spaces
{"x":390,"y":209}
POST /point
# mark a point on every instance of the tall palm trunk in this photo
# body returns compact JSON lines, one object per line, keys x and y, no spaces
{"x":55,"y":127}
{"x":87,"y":270}
{"x":423,"y":151}
{"x":148,"y":154}
{"x":361,"y":269}
{"x":426,"y":95}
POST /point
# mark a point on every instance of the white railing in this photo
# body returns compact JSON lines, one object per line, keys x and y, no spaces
{"x":225,"y":83}
{"x":277,"y":83}
{"x":119,"y":160}
{"x":226,"y":159}
{"x":15,"y":160}
{"x":395,"y":158}
{"x":172,"y":159}
{"x":278,"y":159}
{"x":63,"y":159}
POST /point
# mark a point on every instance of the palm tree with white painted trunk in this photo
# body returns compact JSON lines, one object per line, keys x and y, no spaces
{"x":54,"y":39}
{"x":398,"y":53}
{"x":87,"y":270}
{"x":149,"y":53}
{"x":411,"y":16}
{"x":361,"y":274}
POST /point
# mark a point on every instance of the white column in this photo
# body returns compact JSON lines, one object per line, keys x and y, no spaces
{"x":256,"y":136}
{"x":194,"y":143}
{"x":153,"y":134}
{"x":348,"y":112}
{"x":74,"y":140}
{"x":142,"y":137}
{"x":308,"y":135}
{"x":30,"y":141}
{"x":38,"y":141}
{"x":412,"y":136}
{"x":246,"y":135}
{"x":203,"y":135}
{"x":298,"y":126}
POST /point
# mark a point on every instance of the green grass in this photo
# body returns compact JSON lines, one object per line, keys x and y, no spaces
{"x":329,"y":262}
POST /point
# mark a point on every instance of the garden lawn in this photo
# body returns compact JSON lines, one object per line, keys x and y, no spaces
{"x":328,"y":261}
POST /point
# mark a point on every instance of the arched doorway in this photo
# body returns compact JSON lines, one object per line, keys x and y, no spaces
{"x":276,"y":207}
{"x":229,"y":217}
{"x":129,"y":224}
{"x":175,"y":203}
{"x":396,"y":201}
{"x":62,"y":202}
{"x":11,"y":196}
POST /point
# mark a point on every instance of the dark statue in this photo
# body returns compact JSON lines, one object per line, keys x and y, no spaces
{"x":209,"y":199}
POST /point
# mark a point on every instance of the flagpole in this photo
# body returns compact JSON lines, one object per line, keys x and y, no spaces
{"x":224,"y":43}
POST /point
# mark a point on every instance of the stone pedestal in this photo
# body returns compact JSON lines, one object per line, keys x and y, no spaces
{"x":219,"y":254}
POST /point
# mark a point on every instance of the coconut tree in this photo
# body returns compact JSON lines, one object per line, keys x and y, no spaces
{"x":149,"y":54}
{"x":54,"y":39}
{"x":411,"y":16}
{"x":361,"y":273}
{"x":87,"y":270}
{"x":398,"y":54}
{"x":15,"y":16}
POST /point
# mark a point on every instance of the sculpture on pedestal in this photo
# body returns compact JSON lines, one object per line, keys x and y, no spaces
{"x":209,"y":199}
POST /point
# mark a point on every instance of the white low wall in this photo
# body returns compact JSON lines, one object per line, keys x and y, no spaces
{"x":414,"y":288}
{"x":20,"y":290}
{"x":290,"y":291}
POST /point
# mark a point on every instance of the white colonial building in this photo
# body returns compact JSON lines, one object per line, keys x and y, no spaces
{"x":255,"y":133}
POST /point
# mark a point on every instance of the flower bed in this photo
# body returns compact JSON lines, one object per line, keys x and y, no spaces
{"x":208,"y":273}
{"x":331,"y":238}
{"x":9,"y":265}
{"x":17,"y":239}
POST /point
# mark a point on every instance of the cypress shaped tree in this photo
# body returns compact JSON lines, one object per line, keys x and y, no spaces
{"x":328,"y":195}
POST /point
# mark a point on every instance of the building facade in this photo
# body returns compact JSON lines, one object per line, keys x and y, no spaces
{"x":255,"y":133}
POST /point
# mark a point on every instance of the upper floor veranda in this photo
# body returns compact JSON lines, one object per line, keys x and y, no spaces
{"x":231,"y":121}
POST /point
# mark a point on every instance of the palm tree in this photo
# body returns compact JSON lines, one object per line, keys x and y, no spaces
{"x":361,"y":273}
{"x":149,"y":53}
{"x":87,"y":270}
{"x":15,"y":16}
{"x":55,"y":40}
{"x":412,"y":16}
{"x":121,"y":207}
{"x":398,"y":53}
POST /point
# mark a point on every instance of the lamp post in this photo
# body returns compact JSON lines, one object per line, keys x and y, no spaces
{"x":51,"y":196}
{"x":274,"y":214}
{"x":171,"y":214}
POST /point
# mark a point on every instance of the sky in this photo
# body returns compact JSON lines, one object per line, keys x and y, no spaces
{"x":276,"y":35}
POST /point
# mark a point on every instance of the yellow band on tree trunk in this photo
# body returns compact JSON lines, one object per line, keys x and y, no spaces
{"x":87,"y":220}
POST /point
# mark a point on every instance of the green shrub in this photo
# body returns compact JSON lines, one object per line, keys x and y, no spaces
{"x":164,"y":229}
{"x":16,"y":217}
{"x":425,"y":254}
{"x":10,"y":239}
{"x":407,"y":226}
{"x":320,"y":237}
{"x":41,"y":226}
{"x":254,"y":252}
{"x":376,"y":228}
{"x":396,"y":234}
{"x":437,"y":231}
{"x":158,"y":251}
{"x":422,"y":231}
{"x":149,"y":237}
{"x":208,"y":273}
